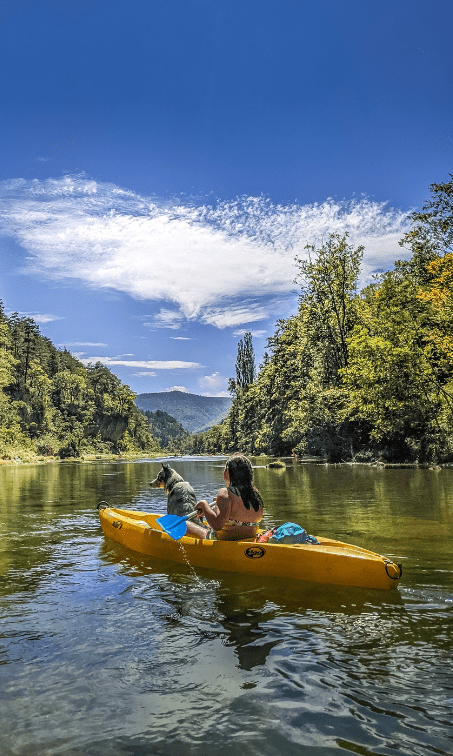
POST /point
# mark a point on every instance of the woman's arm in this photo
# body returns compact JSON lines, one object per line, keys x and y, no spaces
{"x":220,"y":513}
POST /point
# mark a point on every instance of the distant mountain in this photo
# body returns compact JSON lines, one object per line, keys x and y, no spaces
{"x":195,"y":413}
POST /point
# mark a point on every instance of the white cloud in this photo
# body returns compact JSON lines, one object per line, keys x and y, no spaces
{"x":151,"y":364}
{"x":177,"y":388}
{"x":218,"y":263}
{"x":181,"y":338}
{"x":144,"y":373}
{"x":45,"y":318}
{"x":211,"y":384}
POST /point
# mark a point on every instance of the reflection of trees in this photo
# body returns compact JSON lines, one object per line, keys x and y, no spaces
{"x":351,"y":502}
{"x":32,"y":487}
{"x":39,"y":506}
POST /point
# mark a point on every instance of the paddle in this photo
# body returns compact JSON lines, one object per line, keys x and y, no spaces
{"x":175,"y":526}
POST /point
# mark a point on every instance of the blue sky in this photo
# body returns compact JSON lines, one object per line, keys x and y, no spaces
{"x":162,"y":162}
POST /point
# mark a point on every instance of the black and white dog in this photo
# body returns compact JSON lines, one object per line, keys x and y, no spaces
{"x":181,"y":499}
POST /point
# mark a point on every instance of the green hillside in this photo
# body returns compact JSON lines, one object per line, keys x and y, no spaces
{"x":169,"y":434}
{"x":51,"y":405}
{"x":195,"y":413}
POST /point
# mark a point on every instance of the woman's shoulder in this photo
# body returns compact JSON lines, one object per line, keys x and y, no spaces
{"x":223,"y":494}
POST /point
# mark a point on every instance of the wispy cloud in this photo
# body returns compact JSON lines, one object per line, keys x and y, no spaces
{"x":225,"y":264}
{"x":151,"y":364}
{"x":177,"y":388}
{"x":166,"y":319}
{"x":233,"y":314}
{"x":38,"y":317}
{"x":45,"y":318}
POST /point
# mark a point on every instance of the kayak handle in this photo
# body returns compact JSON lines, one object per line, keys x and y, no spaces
{"x":400,"y":567}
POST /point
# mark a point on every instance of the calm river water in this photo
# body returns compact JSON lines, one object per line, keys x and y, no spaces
{"x":106,"y":653}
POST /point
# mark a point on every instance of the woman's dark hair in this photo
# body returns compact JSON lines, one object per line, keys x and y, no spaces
{"x":241,"y":477}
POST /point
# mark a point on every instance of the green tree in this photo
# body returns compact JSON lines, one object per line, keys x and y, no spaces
{"x":280,"y":382}
{"x":245,"y":366}
{"x":393,"y":381}
{"x":240,"y":414}
{"x":438,"y":297}
{"x":25,"y":342}
{"x":10,"y":426}
{"x":329,"y":281}
{"x":431,"y":235}
{"x":315,"y":421}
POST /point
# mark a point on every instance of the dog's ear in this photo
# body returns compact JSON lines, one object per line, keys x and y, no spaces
{"x":165,"y":465}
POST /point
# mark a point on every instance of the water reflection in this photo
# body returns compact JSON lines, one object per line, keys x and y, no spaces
{"x":240,"y":609}
{"x":106,"y":653}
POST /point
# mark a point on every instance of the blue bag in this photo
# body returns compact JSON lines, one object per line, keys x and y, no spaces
{"x":291,"y":533}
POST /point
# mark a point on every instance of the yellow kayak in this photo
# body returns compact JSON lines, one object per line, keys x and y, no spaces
{"x":328,"y":561}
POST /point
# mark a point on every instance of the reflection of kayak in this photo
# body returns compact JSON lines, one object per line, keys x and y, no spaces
{"x":327,"y":562}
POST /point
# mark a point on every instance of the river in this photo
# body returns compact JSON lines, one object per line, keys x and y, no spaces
{"x":106,"y":653}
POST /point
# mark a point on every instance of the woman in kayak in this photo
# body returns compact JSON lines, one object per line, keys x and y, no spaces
{"x":237,"y":509}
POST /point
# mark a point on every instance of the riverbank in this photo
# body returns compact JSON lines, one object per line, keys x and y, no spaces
{"x":33,"y":459}
{"x":281,"y":463}
{"x":315,"y":460}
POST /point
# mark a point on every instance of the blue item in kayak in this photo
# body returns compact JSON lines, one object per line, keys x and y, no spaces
{"x":291,"y":533}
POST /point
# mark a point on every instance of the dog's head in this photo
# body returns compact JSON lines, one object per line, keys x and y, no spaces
{"x":163,"y":476}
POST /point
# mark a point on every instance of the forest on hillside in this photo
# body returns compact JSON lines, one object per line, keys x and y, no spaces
{"x":52,"y":405}
{"x":356,"y":375}
{"x":171,"y":436}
